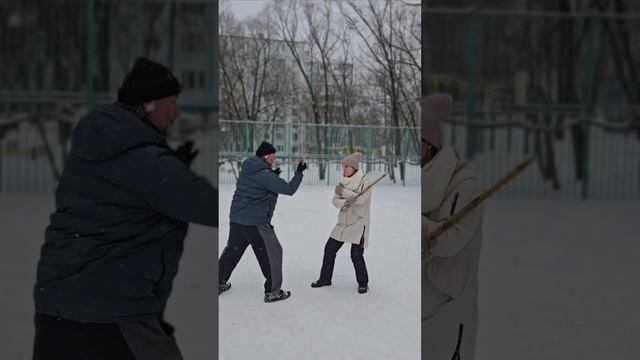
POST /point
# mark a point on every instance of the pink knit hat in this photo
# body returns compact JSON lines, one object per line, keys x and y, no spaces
{"x":353,"y":160}
{"x":435,"y":108}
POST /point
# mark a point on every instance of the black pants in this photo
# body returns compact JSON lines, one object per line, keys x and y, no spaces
{"x":329,"y":260}
{"x":63,"y":339}
{"x":266,"y":247}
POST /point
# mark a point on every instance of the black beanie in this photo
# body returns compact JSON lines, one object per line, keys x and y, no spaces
{"x":147,"y":81}
{"x":265,"y":149}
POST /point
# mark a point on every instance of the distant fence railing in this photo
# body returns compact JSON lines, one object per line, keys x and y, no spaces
{"x":230,"y":169}
{"x":561,"y":84}
{"x":34,"y":145}
{"x":596,"y":157}
{"x":385,"y":149}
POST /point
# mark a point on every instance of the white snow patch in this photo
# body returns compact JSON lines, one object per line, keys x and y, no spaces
{"x":558,"y":281}
{"x":331,"y":322}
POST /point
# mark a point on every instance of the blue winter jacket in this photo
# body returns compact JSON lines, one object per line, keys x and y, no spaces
{"x":257,"y":192}
{"x":123,"y":205}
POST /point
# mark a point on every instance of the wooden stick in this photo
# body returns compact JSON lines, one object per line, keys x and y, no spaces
{"x":353,"y":199}
{"x":478,"y":200}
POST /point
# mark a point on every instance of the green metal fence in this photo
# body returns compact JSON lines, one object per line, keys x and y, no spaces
{"x":69,"y":55}
{"x":562,"y":85}
{"x":385,"y":149}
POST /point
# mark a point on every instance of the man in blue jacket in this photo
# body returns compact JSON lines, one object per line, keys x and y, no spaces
{"x":113,"y":245}
{"x":252,"y":208}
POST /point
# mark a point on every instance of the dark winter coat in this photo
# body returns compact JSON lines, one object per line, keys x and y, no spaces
{"x":123,"y":204}
{"x":257,"y":192}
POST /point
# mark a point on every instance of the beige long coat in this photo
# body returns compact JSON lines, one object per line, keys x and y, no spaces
{"x":450,"y":274}
{"x":353,"y":222}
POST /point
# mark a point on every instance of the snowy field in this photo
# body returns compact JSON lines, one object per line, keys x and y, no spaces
{"x":191,"y":308}
{"x":559,"y":280}
{"x":331,"y":322}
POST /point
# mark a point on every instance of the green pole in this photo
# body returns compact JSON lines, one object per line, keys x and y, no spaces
{"x":404,"y":156}
{"x":588,"y":91}
{"x":171,"y":32}
{"x":90,"y":52}
{"x":273,"y":132}
{"x":473,"y":65}
{"x":326,"y":155}
{"x":288,"y":137}
{"x":369,"y":144}
{"x":246,"y":138}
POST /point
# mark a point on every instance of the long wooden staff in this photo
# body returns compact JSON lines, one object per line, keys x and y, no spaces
{"x":353,"y":199}
{"x":477,"y":201}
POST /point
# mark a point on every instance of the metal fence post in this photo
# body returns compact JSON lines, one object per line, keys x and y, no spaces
{"x":588,"y":91}
{"x":247,"y":138}
{"x":403,"y":161}
{"x":90,"y":51}
{"x":369,"y":149}
{"x":288,"y":139}
{"x":473,"y":64}
{"x":329,"y":145}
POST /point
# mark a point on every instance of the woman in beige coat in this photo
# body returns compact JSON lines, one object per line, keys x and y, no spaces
{"x":450,"y":262}
{"x":353,"y":223}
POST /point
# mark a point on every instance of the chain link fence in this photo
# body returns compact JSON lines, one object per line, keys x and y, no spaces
{"x":385,"y":149}
{"x":56,"y":71}
{"x":562,"y":85}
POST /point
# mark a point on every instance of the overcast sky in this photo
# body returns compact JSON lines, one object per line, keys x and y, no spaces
{"x":245,"y":8}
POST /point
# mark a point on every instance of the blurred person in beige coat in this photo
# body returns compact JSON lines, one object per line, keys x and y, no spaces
{"x":450,"y":262}
{"x":353,"y":223}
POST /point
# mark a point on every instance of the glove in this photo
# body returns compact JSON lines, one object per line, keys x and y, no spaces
{"x":339,"y":190}
{"x":277,"y":171}
{"x":301,"y":168}
{"x":348,"y":203}
{"x":186,"y":153}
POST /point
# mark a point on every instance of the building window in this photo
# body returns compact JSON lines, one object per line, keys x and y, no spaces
{"x":194,"y":79}
{"x":192,"y":42}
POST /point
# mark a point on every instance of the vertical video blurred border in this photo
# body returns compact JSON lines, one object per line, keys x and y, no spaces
{"x":59,"y":60}
{"x":556,"y":81}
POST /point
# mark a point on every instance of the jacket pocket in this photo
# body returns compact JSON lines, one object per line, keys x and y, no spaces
{"x":453,"y":205}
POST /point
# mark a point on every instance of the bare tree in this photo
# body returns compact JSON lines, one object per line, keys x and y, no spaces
{"x":313,"y":61}
{"x":623,"y":49}
{"x":393,"y":53}
{"x":343,"y":78}
{"x":255,"y":82}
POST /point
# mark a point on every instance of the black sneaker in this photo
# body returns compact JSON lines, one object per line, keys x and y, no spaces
{"x":320,"y":283}
{"x":362,"y":289}
{"x":223,"y":287}
{"x":280,"y":295}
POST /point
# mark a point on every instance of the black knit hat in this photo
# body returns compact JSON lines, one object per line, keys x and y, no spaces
{"x":265,"y":149}
{"x":147,"y":81}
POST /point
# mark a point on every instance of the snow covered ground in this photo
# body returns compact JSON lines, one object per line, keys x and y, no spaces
{"x":331,"y":322}
{"x":559,"y":280}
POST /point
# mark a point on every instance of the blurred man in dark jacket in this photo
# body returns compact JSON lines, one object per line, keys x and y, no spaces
{"x":112,"y":248}
{"x":252,"y":208}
